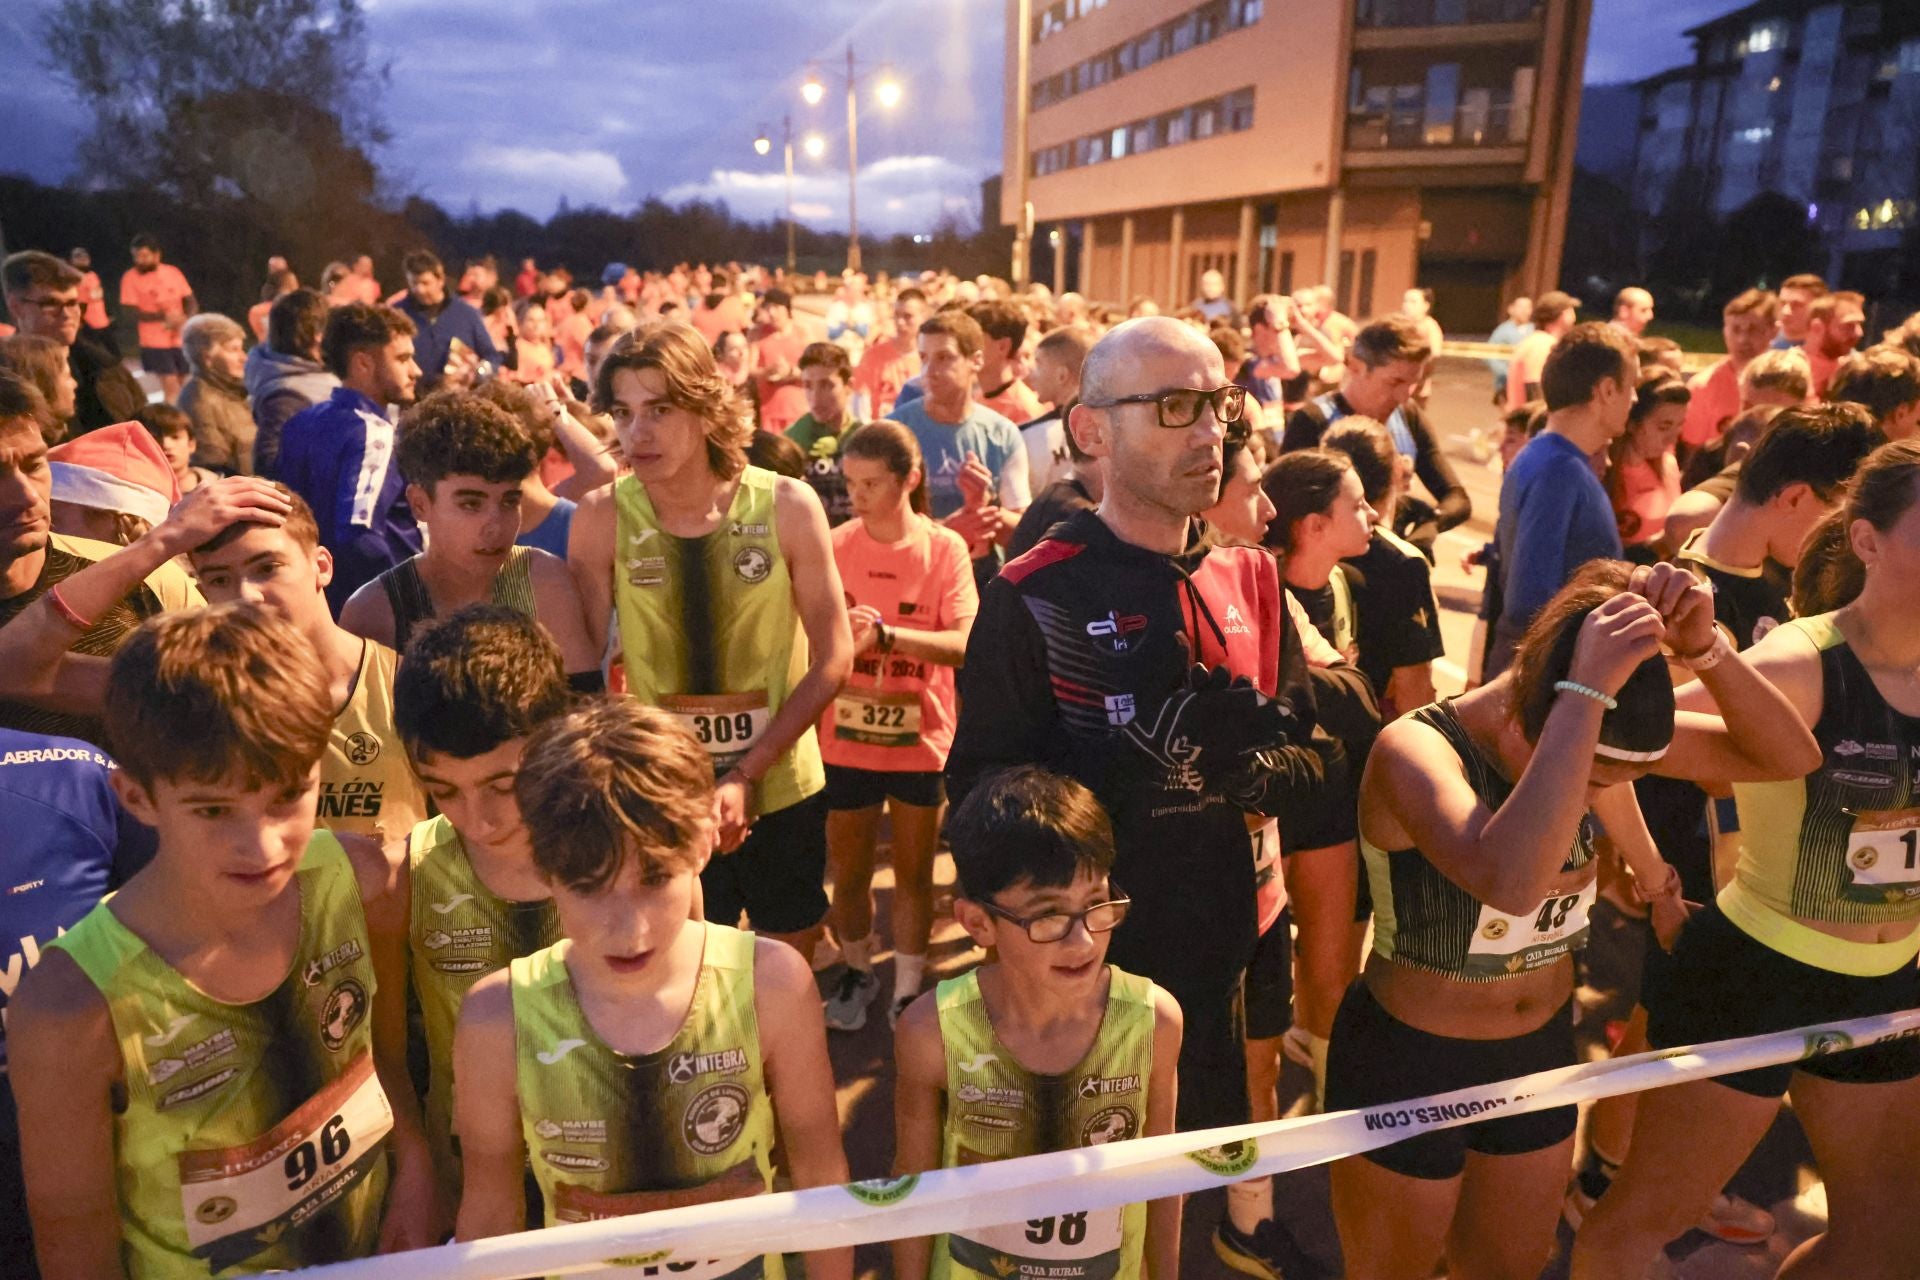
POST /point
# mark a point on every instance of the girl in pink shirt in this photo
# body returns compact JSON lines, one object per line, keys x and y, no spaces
{"x":1643,"y":478}
{"x":911,"y":600}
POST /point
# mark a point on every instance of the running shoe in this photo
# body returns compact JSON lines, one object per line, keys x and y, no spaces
{"x":1268,"y":1252}
{"x":1737,"y":1221}
{"x":847,"y":1006}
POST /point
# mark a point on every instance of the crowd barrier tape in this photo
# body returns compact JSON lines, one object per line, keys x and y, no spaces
{"x":1691,"y":361}
{"x":1081,"y":1180}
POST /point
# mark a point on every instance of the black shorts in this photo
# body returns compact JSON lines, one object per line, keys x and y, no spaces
{"x":1267,"y":986}
{"x":1676,"y":814}
{"x":1723,"y":983}
{"x":160,"y":361}
{"x":777,"y":875}
{"x":850,"y":788}
{"x":1374,"y":1058}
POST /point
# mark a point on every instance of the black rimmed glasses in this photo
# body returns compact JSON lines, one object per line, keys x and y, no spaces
{"x":55,"y":306}
{"x":1181,"y":406}
{"x":1053,"y":926}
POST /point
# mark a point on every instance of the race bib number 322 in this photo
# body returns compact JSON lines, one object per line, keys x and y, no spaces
{"x":241,"y":1200}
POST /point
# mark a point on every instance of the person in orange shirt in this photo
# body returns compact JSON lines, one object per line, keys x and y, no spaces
{"x":534,"y":349}
{"x":572,"y":332}
{"x":360,"y":286}
{"x":1835,"y":325}
{"x":777,"y":348}
{"x":280,"y":283}
{"x":887,"y":364}
{"x":1747,"y":323}
{"x":93,"y":298}
{"x":162,"y":299}
{"x":1000,"y":387}
{"x":719,"y":310}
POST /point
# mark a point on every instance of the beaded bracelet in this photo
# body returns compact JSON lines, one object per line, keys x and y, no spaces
{"x":1574,"y":686}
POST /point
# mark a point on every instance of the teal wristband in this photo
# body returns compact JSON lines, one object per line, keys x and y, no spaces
{"x":1574,"y":686}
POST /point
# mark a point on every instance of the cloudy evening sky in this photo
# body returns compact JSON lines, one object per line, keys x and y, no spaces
{"x":515,"y":103}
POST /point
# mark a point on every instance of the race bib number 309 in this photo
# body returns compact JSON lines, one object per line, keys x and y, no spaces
{"x":724,"y":724}
{"x":241,"y":1200}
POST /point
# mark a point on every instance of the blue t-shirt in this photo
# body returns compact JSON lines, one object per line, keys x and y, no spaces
{"x":1554,"y":517}
{"x":550,"y":535}
{"x":944,"y":447}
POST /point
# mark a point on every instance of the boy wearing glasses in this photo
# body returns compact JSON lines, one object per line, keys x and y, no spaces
{"x":1044,"y":1048}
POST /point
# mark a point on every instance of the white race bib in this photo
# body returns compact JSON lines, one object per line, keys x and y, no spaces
{"x":1883,"y":853}
{"x":1066,"y":1246}
{"x":573,"y":1203}
{"x":724,"y":724}
{"x":876,"y":718}
{"x":239,"y":1200}
{"x":1504,"y":945}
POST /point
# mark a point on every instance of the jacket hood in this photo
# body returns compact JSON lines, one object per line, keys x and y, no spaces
{"x":269,"y":370}
{"x":1087,"y":527}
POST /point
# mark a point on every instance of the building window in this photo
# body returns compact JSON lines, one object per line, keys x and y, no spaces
{"x":1190,"y":30}
{"x":1757,"y":134}
{"x":1443,"y":13}
{"x":1405,"y":100}
{"x":1765,"y":37}
{"x":1232,"y":113}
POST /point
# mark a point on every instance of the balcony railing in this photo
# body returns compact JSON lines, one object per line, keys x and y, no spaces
{"x":1496,"y":125}
{"x":1443,"y":13}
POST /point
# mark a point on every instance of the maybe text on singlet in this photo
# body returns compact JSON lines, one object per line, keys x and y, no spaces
{"x":254,"y":1135}
{"x":458,"y":933}
{"x":997,"y":1110}
{"x":1842,"y":845}
{"x":709,"y":631}
{"x":366,"y":785}
{"x":610,"y":1134}
{"x":412,"y":603}
{"x":1425,"y":921}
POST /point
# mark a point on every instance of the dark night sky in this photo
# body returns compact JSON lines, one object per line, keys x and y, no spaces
{"x":515,"y":102}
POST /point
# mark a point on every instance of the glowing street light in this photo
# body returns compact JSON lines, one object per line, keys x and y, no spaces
{"x":816,"y":146}
{"x":812,"y":90}
{"x":887,"y":92}
{"x":763,"y":144}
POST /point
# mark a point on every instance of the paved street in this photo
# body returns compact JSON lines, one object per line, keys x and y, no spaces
{"x":1778,"y":1176}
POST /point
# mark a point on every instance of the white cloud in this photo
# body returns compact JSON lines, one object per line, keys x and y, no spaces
{"x":534,"y":179}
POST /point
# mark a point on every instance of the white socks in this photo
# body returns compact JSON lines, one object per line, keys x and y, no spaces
{"x":908,"y":970}
{"x":1249,"y":1203}
{"x":858,"y":953}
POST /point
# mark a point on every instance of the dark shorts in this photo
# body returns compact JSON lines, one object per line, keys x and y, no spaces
{"x":849,"y":788}
{"x":1676,"y":814}
{"x":777,"y":875}
{"x":1374,"y":1058}
{"x":1267,"y":988}
{"x":160,"y":361}
{"x":1722,"y":983}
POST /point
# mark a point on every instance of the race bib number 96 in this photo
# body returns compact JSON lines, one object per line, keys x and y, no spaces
{"x":240,"y":1200}
{"x":1504,"y":944}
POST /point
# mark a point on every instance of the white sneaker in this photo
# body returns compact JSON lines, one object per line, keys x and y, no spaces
{"x":847,"y":1006}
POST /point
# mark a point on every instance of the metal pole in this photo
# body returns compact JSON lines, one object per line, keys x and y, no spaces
{"x":853,"y":167}
{"x":786,"y":128}
{"x":1022,"y":164}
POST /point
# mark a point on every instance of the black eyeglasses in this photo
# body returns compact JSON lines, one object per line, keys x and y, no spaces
{"x":1181,"y":406}
{"x":56,"y":305}
{"x":1101,"y":917}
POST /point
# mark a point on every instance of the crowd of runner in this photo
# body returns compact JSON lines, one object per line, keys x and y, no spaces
{"x":486,"y":702}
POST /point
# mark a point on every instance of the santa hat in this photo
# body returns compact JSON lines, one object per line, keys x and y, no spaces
{"x":117,"y":468}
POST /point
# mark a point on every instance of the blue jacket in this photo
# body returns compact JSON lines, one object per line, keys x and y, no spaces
{"x":338,"y":455}
{"x":456,"y":319}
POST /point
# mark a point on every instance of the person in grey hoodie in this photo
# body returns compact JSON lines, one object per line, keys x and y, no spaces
{"x":284,"y":374}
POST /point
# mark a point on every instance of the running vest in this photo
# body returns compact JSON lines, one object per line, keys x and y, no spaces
{"x":254,"y":1135}
{"x":458,"y":933}
{"x":997,"y":1110}
{"x":1841,"y":845}
{"x":1747,"y":603}
{"x":1333,"y":407}
{"x":709,"y":631}
{"x":412,"y":604}
{"x":1425,"y":921}
{"x":366,"y":785}
{"x":609,"y":1134}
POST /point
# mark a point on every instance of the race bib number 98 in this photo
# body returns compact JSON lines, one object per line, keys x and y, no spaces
{"x":240,"y":1200}
{"x":1883,"y":855}
{"x":1065,"y":1246}
{"x":1504,"y":944}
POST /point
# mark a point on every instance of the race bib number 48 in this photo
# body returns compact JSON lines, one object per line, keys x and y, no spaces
{"x":240,"y":1200}
{"x":1066,"y":1246}
{"x":1883,"y":855}
{"x":1504,"y":944}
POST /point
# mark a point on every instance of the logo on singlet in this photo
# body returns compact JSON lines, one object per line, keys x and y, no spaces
{"x":161,"y":1040}
{"x":320,"y":966}
{"x":1235,"y":623}
{"x":1100,"y":1086}
{"x":683,"y":1067}
{"x":1109,"y":1124}
{"x":345,"y":1007}
{"x":977,"y":1061}
{"x":551,"y":1057}
{"x":362,"y":748}
{"x":441,"y":908}
{"x":714,"y":1118}
{"x":753,"y":564}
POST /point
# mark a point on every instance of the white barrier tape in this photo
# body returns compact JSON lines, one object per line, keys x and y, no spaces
{"x":1691,"y":361}
{"x":1084,"y":1179}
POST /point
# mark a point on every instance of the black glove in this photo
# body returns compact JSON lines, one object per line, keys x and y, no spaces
{"x":1206,"y":730}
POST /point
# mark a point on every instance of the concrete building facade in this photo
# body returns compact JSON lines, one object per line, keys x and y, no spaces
{"x":1368,"y":144}
{"x":1816,"y":100}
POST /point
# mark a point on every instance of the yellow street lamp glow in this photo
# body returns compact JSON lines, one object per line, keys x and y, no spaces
{"x":816,"y":146}
{"x":763,"y":144}
{"x":812,"y":90}
{"x":887,"y":92}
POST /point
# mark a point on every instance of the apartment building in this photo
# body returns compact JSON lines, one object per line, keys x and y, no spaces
{"x":1368,"y":144}
{"x":1816,"y":100}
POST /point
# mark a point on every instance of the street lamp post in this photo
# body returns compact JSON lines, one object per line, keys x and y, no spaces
{"x":764,"y":144}
{"x":887,"y":93}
